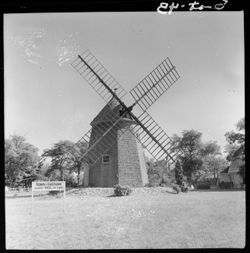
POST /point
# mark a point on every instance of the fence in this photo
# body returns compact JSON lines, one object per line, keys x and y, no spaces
{"x":18,"y":189}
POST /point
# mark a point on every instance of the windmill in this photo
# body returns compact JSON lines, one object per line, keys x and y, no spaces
{"x":118,"y":136}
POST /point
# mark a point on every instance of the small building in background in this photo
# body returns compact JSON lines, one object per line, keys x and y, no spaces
{"x":230,"y":177}
{"x":207,"y":181}
{"x":224,"y":177}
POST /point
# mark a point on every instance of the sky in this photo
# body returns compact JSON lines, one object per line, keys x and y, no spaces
{"x":46,"y":100}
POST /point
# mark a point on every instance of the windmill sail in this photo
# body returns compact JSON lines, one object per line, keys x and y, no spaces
{"x":85,"y":138}
{"x":95,"y":74}
{"x":157,"y":82}
{"x":153,"y":138}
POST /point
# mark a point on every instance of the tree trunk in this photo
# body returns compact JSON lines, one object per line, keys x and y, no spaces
{"x":12,"y":183}
{"x":61,"y":170}
{"x":78,"y":175}
{"x":62,"y":174}
{"x":12,"y":176}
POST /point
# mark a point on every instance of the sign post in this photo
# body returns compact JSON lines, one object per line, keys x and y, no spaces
{"x":64,"y":193}
{"x":32,"y":200}
{"x":38,"y":186}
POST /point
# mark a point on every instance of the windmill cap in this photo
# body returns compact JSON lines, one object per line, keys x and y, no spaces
{"x":112,"y":106}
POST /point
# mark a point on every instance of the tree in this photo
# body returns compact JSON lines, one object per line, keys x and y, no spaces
{"x":213,"y":162}
{"x":21,"y":160}
{"x":192,"y":166}
{"x":209,"y":148}
{"x":179,"y":178}
{"x":235,"y":148}
{"x":240,"y":125}
{"x":58,"y":155}
{"x":189,"y":145}
{"x":236,"y":142}
{"x":197,"y":156}
{"x":214,"y":165}
{"x":75,"y":153}
{"x":65,"y":157}
{"x":159,"y":173}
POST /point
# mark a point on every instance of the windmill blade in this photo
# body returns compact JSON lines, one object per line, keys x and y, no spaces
{"x":97,"y":75}
{"x":85,"y":138}
{"x":158,"y":144}
{"x":154,"y":139}
{"x":104,"y":84}
{"x":157,"y":82}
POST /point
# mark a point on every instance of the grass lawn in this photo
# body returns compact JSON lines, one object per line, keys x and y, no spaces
{"x":152,"y":219}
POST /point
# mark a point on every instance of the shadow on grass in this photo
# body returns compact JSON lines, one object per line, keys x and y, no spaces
{"x":170,"y":192}
{"x":25,"y":196}
{"x":74,"y":190}
{"x":216,"y":190}
{"x":113,"y":195}
{"x":15,"y":197}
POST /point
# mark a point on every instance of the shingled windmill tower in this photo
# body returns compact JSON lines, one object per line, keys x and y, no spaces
{"x":117,"y":136}
{"x":124,"y":162}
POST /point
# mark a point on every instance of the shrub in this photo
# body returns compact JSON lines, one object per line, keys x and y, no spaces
{"x":53,"y":192}
{"x":152,"y":184}
{"x":176,"y":188}
{"x":70,"y":179}
{"x":184,"y":187}
{"x":167,"y":181}
{"x":122,"y":190}
{"x":154,"y":180}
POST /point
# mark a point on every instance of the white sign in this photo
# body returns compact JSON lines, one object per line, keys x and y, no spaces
{"x":48,"y":186}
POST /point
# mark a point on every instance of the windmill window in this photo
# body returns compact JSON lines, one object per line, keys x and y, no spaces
{"x":105,"y":159}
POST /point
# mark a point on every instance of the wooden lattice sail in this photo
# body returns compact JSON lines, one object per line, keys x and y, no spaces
{"x":117,"y":137}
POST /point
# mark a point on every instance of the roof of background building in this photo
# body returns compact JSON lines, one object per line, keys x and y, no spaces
{"x":235,"y":166}
{"x":225,"y":170}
